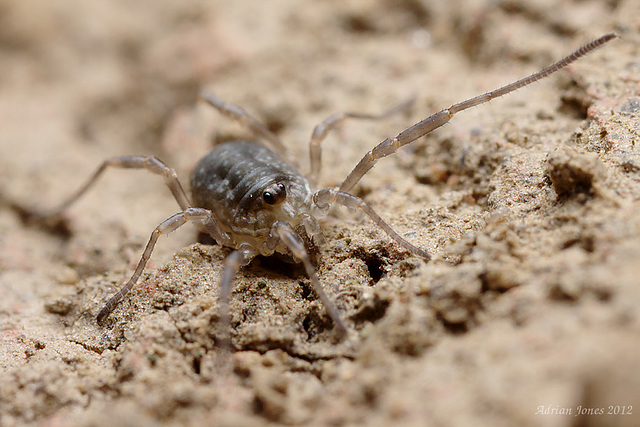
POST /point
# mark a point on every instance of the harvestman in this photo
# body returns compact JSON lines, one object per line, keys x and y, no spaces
{"x":247,"y":197}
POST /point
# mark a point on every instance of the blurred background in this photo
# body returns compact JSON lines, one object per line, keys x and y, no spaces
{"x":82,"y":81}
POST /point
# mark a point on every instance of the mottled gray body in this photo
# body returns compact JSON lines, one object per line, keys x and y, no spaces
{"x":230,"y":182}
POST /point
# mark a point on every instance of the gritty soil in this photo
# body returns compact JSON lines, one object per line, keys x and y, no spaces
{"x":526,"y":315}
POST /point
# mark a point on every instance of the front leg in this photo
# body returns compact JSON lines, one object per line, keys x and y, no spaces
{"x":282,"y":232}
{"x":420,"y":129}
{"x":236,"y":259}
{"x":199,"y":215}
{"x":324,"y":199}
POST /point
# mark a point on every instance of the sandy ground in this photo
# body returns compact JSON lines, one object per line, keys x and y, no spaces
{"x":527,"y":314}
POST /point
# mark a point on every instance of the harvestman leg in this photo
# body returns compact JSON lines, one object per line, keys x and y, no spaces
{"x":391,"y":145}
{"x":152,"y":164}
{"x":239,"y":114}
{"x":282,"y":232}
{"x":236,"y":259}
{"x":199,"y":215}
{"x":156,"y":166}
{"x":321,"y":131}
{"x":324,"y":199}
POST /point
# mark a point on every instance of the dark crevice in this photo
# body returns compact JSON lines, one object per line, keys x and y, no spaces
{"x":279,"y":264}
{"x":398,"y":16}
{"x":275,"y":124}
{"x":205,"y":239}
{"x":375,"y":267}
{"x":264,"y":347}
{"x":585,"y":242}
{"x":89,"y":347}
{"x":358,"y":24}
{"x":314,"y":325}
{"x":371,"y":311}
{"x":523,"y":9}
{"x":196,"y":365}
{"x":56,"y":225}
{"x":557,"y":292}
{"x":307,"y":292}
{"x":258,"y":406}
{"x":573,"y":107}
{"x":307,"y":325}
{"x":454,"y":328}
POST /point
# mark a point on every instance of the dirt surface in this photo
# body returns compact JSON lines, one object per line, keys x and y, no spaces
{"x":526,"y":315}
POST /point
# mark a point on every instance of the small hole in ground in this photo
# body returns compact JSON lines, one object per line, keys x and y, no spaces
{"x":375,"y":267}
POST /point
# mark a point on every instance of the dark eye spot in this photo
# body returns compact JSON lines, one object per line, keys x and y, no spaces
{"x":268,"y":197}
{"x":275,"y":193}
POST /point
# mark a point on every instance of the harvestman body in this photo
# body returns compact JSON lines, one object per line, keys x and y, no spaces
{"x":247,"y":197}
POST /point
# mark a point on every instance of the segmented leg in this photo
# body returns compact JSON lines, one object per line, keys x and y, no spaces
{"x":232,"y":264}
{"x":321,"y":131}
{"x":199,"y":215}
{"x":152,"y":164}
{"x":239,"y":114}
{"x":324,"y":199}
{"x":391,"y":145}
{"x":283,"y":232}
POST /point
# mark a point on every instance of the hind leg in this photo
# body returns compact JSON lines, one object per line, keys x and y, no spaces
{"x":151,"y":164}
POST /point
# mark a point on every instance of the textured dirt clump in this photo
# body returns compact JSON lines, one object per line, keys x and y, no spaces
{"x":526,"y":314}
{"x":573,"y":172}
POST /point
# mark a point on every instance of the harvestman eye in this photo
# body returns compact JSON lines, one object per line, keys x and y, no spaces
{"x":275,"y":194}
{"x":229,"y":171}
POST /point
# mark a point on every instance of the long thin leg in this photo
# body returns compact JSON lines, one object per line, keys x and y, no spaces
{"x":152,"y":164}
{"x":239,"y":114}
{"x":283,"y":231}
{"x":391,"y":145}
{"x":199,"y":215}
{"x":321,"y":131}
{"x":232,"y":264}
{"x":327,"y":197}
